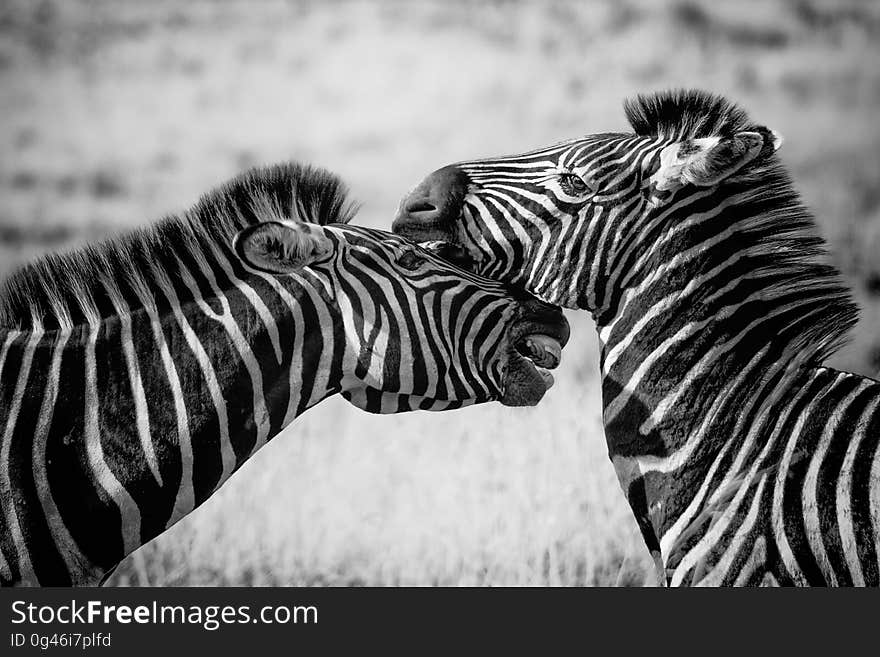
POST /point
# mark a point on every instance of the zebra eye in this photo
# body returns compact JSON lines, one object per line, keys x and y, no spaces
{"x":410,"y":261}
{"x":574,"y":185}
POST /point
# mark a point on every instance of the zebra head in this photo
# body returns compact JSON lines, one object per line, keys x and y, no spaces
{"x":419,"y":332}
{"x":567,"y":222}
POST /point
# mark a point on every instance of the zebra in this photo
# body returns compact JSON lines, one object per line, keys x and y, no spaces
{"x":744,"y":459}
{"x":137,"y":375}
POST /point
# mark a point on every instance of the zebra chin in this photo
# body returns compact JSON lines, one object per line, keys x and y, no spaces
{"x":525,"y":384}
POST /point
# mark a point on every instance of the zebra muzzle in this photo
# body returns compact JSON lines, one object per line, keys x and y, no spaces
{"x":527,"y":376}
{"x":537,"y":337}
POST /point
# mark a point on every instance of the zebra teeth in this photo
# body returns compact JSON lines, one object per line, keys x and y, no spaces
{"x":542,"y":350}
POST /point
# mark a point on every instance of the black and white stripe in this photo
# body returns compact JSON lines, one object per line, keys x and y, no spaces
{"x":742,"y":457}
{"x":138,"y":375}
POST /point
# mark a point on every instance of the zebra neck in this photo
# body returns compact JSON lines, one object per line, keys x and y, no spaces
{"x":730,"y":286}
{"x":114,"y":430}
{"x":696,"y":347}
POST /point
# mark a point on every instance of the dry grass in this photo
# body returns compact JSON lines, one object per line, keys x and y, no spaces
{"x":118,"y":112}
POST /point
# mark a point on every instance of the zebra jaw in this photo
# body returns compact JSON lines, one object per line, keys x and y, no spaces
{"x":536,"y":352}
{"x":541,"y":351}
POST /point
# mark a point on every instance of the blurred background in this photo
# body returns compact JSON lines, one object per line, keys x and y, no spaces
{"x":114,"y":113}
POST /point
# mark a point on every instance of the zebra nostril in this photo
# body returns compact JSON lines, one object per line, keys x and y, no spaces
{"x":420,"y":206}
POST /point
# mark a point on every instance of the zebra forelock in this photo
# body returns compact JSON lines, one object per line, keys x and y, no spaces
{"x":70,"y":289}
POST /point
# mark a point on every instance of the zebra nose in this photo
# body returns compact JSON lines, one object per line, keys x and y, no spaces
{"x":434,"y":204}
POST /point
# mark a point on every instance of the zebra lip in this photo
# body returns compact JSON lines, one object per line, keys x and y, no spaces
{"x":543,"y":350}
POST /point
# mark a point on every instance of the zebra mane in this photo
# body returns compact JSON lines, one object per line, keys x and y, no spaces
{"x":684,"y":114}
{"x":89,"y":283}
{"x":784,"y":239}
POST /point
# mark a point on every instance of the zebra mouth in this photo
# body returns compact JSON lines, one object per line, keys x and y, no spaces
{"x":543,"y":350}
{"x":528,"y":378}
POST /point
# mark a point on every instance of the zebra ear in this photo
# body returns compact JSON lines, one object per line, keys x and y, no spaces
{"x":279,"y":247}
{"x":707,"y":161}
